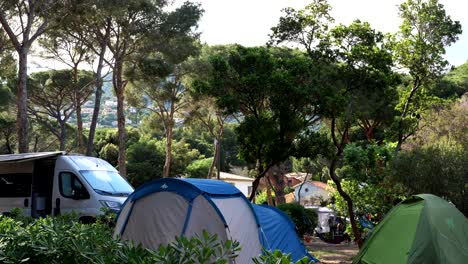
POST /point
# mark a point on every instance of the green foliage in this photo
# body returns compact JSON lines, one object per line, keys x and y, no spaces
{"x":438,"y":168}
{"x":304,"y":219}
{"x":425,"y":32}
{"x":262,"y":198}
{"x":204,"y":249}
{"x":272,"y":129}
{"x":146,"y":159}
{"x":453,"y":84}
{"x":63,"y":239}
{"x":365,"y":179}
{"x":199,"y":168}
{"x":278,"y":257}
{"x":305,"y":27}
{"x":288,"y":189}
{"x":7,"y":133}
{"x":110,"y":153}
{"x":434,"y":160}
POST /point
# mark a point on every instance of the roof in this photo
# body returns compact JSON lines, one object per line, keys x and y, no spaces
{"x":297,"y":175}
{"x":23,"y":157}
{"x":234,"y":177}
{"x":318,"y":184}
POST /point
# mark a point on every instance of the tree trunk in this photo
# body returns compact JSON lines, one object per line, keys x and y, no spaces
{"x":97,"y":101}
{"x":347,"y":198}
{"x":119,"y":87}
{"x":79,"y":125}
{"x":8,"y":145}
{"x":215,"y":158}
{"x":414,"y":88}
{"x":63,"y":135}
{"x":22,"y":101}
{"x":79,"y":119}
{"x":277,"y":180}
{"x":268,"y":190}
{"x":255,"y":184}
{"x":300,"y":188}
{"x":167,"y":162}
{"x":260,"y":174}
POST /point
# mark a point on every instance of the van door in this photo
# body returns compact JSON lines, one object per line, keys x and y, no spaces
{"x":73,"y":195}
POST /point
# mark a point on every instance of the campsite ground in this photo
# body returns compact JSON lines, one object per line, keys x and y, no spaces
{"x":332,"y":253}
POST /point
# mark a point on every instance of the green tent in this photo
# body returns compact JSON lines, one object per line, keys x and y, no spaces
{"x":422,"y":229}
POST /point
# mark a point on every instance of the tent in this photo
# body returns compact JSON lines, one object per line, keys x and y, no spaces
{"x":422,"y":229}
{"x":162,"y":209}
{"x":278,"y":232}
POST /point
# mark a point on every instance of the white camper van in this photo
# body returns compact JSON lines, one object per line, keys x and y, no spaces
{"x":51,"y":183}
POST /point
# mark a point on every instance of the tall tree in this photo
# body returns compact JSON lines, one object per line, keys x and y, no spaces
{"x":420,"y":44}
{"x":73,"y":52}
{"x":24,"y":21}
{"x":354,"y":77}
{"x":363,"y":71}
{"x":52,"y":95}
{"x":262,"y":84}
{"x":203,"y":108}
{"x":158,"y":68}
{"x":89,"y":22}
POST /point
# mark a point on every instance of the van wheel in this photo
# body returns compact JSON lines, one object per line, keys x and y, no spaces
{"x":87,"y":220}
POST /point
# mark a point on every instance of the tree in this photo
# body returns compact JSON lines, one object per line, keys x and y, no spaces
{"x":419,"y":47}
{"x":24,"y":21}
{"x":434,"y":159}
{"x":88,"y":22}
{"x":52,"y":95}
{"x":353,"y":65}
{"x":7,"y":131}
{"x":159,"y":70}
{"x":203,"y":108}
{"x":261,"y":84}
{"x":453,"y":84}
{"x":131,"y":23}
{"x":73,"y":52}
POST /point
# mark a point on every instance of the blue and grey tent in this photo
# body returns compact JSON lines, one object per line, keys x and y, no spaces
{"x":162,"y":209}
{"x":278,"y":232}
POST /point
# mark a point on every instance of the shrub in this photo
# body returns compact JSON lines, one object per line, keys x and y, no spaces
{"x":277,"y":257}
{"x":262,"y":197}
{"x":199,"y":168}
{"x":64,"y":240}
{"x":304,"y":219}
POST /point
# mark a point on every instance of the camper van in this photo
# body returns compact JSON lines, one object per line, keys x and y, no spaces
{"x":52,"y":183}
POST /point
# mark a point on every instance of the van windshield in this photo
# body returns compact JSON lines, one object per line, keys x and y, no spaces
{"x":107,"y":182}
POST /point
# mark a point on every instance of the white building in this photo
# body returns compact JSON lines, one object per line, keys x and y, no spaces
{"x":244,"y":184}
{"x":312,"y":193}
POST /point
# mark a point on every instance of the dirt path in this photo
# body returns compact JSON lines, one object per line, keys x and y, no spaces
{"x":332,"y":253}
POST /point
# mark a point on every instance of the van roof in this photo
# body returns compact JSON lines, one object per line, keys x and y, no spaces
{"x":90,"y":163}
{"x":23,"y":157}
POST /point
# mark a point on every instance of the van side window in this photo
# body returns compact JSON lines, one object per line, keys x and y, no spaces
{"x":71,"y":187}
{"x":15,"y":185}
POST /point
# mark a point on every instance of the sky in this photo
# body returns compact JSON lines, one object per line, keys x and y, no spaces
{"x":248,"y":22}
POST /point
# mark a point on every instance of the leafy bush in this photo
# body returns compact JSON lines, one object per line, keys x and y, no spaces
{"x":288,"y":189}
{"x":199,"y":168}
{"x":262,"y":197}
{"x":277,"y":257}
{"x":64,"y":240}
{"x":304,"y":219}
